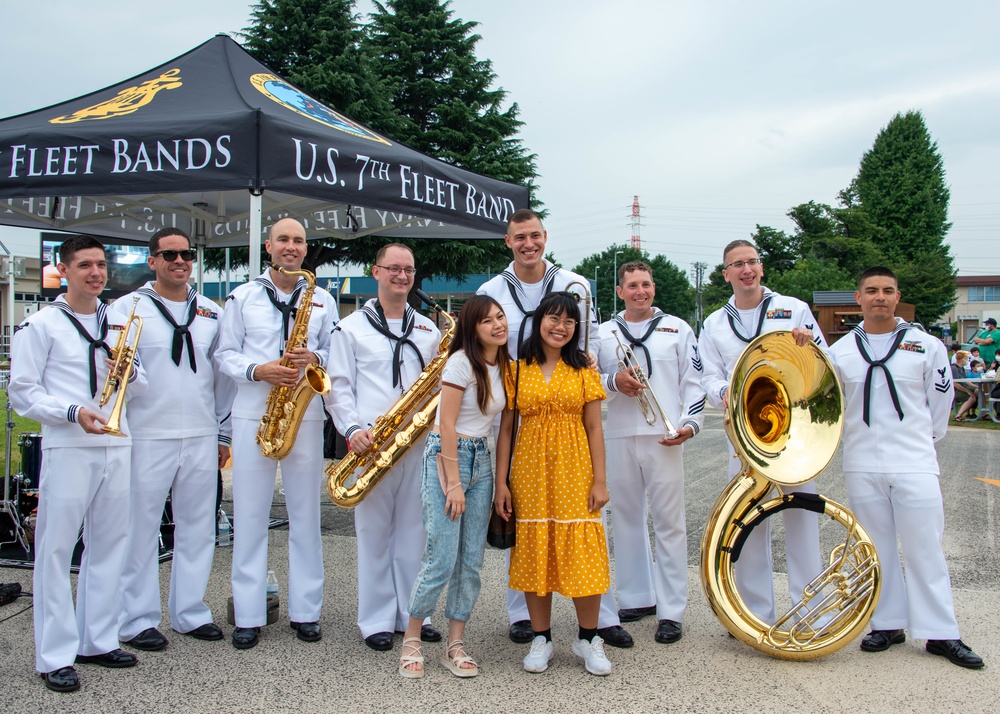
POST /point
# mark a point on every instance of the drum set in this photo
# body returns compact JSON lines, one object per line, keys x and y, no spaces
{"x":19,"y":502}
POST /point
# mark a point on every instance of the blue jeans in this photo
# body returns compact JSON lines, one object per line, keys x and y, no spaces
{"x":453,"y":554}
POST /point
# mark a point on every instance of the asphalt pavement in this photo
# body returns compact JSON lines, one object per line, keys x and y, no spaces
{"x":707,"y":671}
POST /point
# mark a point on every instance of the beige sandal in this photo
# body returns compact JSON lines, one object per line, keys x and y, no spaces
{"x":454,"y":662}
{"x":414,"y":657}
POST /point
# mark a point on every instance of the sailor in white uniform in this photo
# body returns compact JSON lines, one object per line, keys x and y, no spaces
{"x":180,"y":438}
{"x":519,"y":289}
{"x":256,"y":323}
{"x":646,"y":460}
{"x":376,"y":354}
{"x":898,"y":394}
{"x":58,"y":370}
{"x":752,"y":311}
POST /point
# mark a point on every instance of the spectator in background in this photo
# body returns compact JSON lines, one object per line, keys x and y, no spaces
{"x":988,"y":340}
{"x":958,"y":371}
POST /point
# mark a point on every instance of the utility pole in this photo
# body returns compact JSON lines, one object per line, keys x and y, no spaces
{"x":698,"y":273}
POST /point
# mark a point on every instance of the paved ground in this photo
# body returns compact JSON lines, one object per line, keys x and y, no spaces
{"x":705,"y":672}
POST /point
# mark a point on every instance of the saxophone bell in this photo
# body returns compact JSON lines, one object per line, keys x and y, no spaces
{"x":116,"y":382}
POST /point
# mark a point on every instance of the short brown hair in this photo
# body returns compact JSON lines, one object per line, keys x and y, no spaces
{"x":71,"y":245}
{"x":382,"y":251}
{"x":631,"y":267}
{"x":522,"y":216}
{"x":878,"y":271}
{"x":740,"y":243}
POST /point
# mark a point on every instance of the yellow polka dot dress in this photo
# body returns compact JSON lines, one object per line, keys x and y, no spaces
{"x":560,"y":545}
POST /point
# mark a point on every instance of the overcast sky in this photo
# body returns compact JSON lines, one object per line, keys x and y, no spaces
{"x":718,"y":115}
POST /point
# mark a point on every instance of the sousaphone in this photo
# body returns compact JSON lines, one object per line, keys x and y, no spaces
{"x":785,"y":419}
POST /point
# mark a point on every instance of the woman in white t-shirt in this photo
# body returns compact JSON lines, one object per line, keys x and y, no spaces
{"x":457,"y":500}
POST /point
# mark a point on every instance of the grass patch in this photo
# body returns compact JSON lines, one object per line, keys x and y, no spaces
{"x":983,"y":423}
{"x":21,"y":426}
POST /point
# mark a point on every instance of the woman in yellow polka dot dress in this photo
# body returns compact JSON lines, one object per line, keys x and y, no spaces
{"x":558,"y":483}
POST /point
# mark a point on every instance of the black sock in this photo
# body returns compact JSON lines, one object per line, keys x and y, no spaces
{"x":547,"y":634}
{"x":588,"y":633}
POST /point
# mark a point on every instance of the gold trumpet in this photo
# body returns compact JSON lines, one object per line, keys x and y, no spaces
{"x":123,"y":355}
{"x":628,"y":363}
{"x":784,"y":419}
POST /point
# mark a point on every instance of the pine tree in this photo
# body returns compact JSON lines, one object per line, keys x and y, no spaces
{"x":900,"y":188}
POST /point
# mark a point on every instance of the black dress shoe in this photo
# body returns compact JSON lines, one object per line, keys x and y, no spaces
{"x":307,"y":631}
{"x":150,"y":640}
{"x":209,"y":631}
{"x":956,"y":651}
{"x":881,"y":640}
{"x":64,"y":679}
{"x":616,"y":636}
{"x":429,"y":633}
{"x":380,"y":641}
{"x":667,"y":631}
{"x":521,"y":632}
{"x":246,"y":637}
{"x":113,"y":659}
{"x":634,"y":614}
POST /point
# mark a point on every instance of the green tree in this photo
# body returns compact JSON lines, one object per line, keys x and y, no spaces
{"x":674,"y":293}
{"x":900,"y":187}
{"x":316,"y":45}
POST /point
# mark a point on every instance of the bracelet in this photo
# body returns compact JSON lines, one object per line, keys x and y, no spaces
{"x":452,"y":488}
{"x":448,"y":458}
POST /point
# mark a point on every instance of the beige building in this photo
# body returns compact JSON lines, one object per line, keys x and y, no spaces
{"x":978,"y":297}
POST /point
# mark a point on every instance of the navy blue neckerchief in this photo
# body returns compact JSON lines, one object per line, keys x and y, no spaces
{"x":861,"y":338}
{"x":182,"y":333}
{"x":96,"y":343}
{"x":733,"y":314}
{"x":376,"y":316}
{"x":288,"y":309}
{"x":633,"y":342}
{"x":517,"y":294}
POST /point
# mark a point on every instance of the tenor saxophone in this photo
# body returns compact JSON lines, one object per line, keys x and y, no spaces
{"x":395,"y":431}
{"x":287,"y":405}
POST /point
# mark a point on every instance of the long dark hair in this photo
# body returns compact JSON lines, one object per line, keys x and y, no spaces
{"x":561,"y":303}
{"x":473,"y":312}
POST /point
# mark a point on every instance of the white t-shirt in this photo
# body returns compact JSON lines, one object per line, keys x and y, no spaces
{"x":471,"y":421}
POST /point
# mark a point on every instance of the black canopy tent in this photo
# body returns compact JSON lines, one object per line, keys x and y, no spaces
{"x":216,"y":144}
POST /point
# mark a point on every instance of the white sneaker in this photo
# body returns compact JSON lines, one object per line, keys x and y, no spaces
{"x":592,"y":654}
{"x":537,"y":659}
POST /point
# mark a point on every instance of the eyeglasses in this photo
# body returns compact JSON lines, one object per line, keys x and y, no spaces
{"x":395,"y":270}
{"x":555,"y":321}
{"x":171,"y":255}
{"x":738,"y":264}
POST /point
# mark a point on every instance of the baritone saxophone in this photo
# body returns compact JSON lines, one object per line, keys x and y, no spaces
{"x":287,"y":405}
{"x":350,"y":480}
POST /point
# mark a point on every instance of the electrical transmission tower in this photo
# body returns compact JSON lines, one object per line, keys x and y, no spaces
{"x":636,"y":241}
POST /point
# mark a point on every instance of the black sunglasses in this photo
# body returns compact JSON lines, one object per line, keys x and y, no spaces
{"x":171,"y":255}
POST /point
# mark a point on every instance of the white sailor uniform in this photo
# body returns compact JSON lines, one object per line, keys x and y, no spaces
{"x":176,"y":427}
{"x":84,"y":479}
{"x":723,"y":338}
{"x":666,"y":348}
{"x":254,"y":331}
{"x":369,"y":371}
{"x":519,"y":301}
{"x":892,"y":471}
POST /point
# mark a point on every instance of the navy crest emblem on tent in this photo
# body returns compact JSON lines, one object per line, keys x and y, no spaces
{"x":286,"y":95}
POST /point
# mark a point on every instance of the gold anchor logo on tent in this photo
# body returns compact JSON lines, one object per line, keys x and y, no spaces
{"x":126,"y":101}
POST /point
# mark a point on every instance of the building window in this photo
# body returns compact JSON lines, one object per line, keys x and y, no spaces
{"x":984,"y":293}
